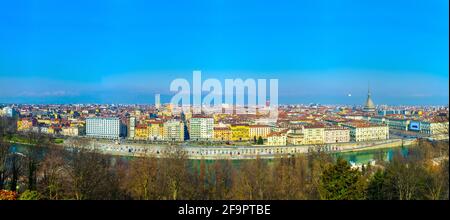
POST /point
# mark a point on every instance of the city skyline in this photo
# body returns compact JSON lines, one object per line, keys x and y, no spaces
{"x":117,"y":52}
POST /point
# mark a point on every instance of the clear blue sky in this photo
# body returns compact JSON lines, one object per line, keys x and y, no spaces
{"x":125,"y":51}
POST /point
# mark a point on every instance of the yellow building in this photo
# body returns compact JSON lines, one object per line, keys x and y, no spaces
{"x":313,"y":134}
{"x":44,"y":121}
{"x":256,"y":131}
{"x":156,"y":130}
{"x":142,"y":132}
{"x":240,"y":132}
{"x":222,"y":134}
{"x":24,"y":124}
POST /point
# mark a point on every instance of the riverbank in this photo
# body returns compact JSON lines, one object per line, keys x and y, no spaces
{"x":240,"y":152}
{"x":231,"y":152}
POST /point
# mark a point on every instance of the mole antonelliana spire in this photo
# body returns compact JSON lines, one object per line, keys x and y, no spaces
{"x":369,"y":106}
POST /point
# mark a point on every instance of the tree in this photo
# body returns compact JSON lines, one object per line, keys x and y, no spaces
{"x":286,"y":184}
{"x":15,"y":162}
{"x":33,"y":162}
{"x":30,"y":195}
{"x":316,"y":164}
{"x":204,"y":181}
{"x":142,"y":178}
{"x":54,"y":175}
{"x":7,"y":127}
{"x":4,"y":152}
{"x":340,"y":182}
{"x":375,"y":188}
{"x":405,"y":180}
{"x":252,"y":181}
{"x":222,"y":180}
{"x":90,"y":176}
{"x":260,"y":141}
{"x":173,"y":174}
{"x":436,"y":187}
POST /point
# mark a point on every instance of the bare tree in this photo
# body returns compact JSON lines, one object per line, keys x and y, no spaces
{"x":89,"y":175}
{"x":142,"y":178}
{"x":15,"y":162}
{"x":53,"y":172}
{"x":252,"y":181}
{"x":176,"y":166}
{"x":4,"y":152}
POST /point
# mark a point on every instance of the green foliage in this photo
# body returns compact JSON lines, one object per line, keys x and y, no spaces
{"x":19,"y":139}
{"x":340,"y":182}
{"x":30,"y":195}
{"x":376,"y":185}
{"x":260,"y":141}
{"x":58,"y":141}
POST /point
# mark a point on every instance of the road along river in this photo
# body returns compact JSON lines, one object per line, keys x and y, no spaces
{"x":238,"y":152}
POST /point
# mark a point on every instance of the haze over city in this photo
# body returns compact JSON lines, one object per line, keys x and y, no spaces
{"x":125,"y":52}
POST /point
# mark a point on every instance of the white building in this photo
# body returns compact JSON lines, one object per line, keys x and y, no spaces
{"x":8,"y":112}
{"x":337,"y":135}
{"x":363,"y":131}
{"x":110,"y":128}
{"x":201,"y":128}
{"x":435,"y":128}
{"x":173,"y":130}
{"x":257,"y":131}
{"x":277,"y":138}
{"x":131,"y":127}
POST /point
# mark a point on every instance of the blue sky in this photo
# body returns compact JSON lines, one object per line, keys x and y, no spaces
{"x":125,"y":51}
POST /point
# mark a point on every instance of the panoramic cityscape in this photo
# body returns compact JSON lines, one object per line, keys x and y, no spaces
{"x":145,"y":130}
{"x":307,"y":100}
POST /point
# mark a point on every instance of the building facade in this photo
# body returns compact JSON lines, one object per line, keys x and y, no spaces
{"x":256,"y":131}
{"x":398,"y":123}
{"x":240,"y":132}
{"x":156,"y":130}
{"x":25,"y":124}
{"x":110,"y":128}
{"x":174,"y":130}
{"x":434,"y":128}
{"x":141,"y":132}
{"x":222,"y":134}
{"x":71,"y":131}
{"x":337,"y":135}
{"x":367,"y":132}
{"x":8,"y":112}
{"x":131,"y":127}
{"x":276,"y":139}
{"x":201,"y":128}
{"x":294,"y":137}
{"x":313,"y":134}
